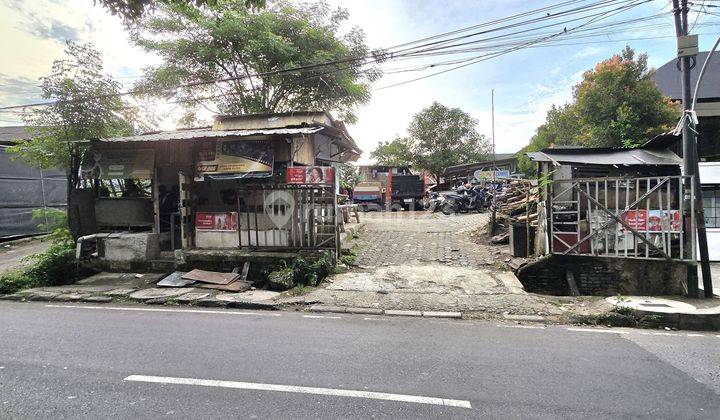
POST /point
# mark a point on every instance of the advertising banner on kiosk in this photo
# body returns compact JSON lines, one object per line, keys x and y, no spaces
{"x":251,"y":158}
{"x":309,"y":175}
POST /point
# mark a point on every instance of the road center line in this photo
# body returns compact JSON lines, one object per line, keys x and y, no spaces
{"x":194,"y":311}
{"x":322,"y":317}
{"x":597,"y":330}
{"x":301,"y":390}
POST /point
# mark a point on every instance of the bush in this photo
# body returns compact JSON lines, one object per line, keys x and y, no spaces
{"x":13,"y":281}
{"x":311,"y":273}
{"x":53,"y":267}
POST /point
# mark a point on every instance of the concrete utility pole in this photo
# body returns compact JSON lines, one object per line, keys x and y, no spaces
{"x":690,"y":159}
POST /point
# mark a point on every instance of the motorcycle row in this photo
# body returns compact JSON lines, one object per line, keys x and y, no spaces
{"x":462,"y":199}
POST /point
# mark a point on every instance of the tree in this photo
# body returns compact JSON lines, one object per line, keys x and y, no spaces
{"x":253,"y":51}
{"x":131,"y":10}
{"x":616,"y":104}
{"x":393,"y":153}
{"x":438,"y":137}
{"x":86,"y":105}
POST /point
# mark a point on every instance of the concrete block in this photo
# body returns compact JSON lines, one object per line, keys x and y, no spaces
{"x":395,"y":312}
{"x":131,"y":247}
{"x":442,"y":314}
{"x":119,"y":292}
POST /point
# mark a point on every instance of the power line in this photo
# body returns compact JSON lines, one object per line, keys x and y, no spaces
{"x":376,"y":57}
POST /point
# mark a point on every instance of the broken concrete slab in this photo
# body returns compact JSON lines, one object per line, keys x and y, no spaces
{"x":191,"y":297}
{"x":153,"y":293}
{"x":97,"y":299}
{"x":41,"y":295}
{"x":15,"y":296}
{"x":70,"y":297}
{"x":249,"y":296}
{"x":119,"y":292}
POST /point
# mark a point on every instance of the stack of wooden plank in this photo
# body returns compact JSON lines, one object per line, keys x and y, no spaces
{"x":519,"y":201}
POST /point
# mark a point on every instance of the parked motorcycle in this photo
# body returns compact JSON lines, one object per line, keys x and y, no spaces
{"x":461,"y":203}
{"x":434,"y":202}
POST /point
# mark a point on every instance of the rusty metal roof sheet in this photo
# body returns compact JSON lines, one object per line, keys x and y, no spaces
{"x":607,"y":156}
{"x":209,"y":133}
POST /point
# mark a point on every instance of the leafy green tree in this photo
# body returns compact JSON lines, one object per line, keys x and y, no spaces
{"x":616,"y":104}
{"x":438,"y":137}
{"x":85,"y":105}
{"x":252,"y":51}
{"x":395,"y":152}
{"x":133,"y":9}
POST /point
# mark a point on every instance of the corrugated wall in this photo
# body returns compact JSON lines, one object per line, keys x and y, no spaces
{"x":24,"y":189}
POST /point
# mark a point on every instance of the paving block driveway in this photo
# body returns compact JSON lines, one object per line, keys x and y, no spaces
{"x":429,"y":262}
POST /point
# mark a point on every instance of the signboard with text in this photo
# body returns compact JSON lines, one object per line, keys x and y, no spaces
{"x":216,"y":221}
{"x":235,"y":157}
{"x":306,"y":175}
{"x":653,"y":220}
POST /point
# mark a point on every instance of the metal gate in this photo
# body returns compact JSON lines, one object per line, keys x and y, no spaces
{"x":621,"y":217}
{"x":288,"y":217}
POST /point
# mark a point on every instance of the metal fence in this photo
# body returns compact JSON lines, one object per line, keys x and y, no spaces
{"x":621,"y":217}
{"x":288,"y":217}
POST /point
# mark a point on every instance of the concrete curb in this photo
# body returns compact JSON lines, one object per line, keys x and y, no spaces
{"x":389,"y":312}
{"x":524,"y":318}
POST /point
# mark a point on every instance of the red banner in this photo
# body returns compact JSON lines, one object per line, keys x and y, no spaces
{"x":655,"y":221}
{"x":310,"y":175}
{"x":216,"y":221}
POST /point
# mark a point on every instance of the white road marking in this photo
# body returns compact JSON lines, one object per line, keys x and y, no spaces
{"x":369,"y":318}
{"x":695,"y":335}
{"x":598,"y":330}
{"x":322,"y":317}
{"x":302,"y":390}
{"x":193,"y":311}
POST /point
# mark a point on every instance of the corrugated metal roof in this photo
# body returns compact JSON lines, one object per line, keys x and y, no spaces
{"x":607,"y":156}
{"x":208,"y":133}
{"x":13,"y":132}
{"x":668,"y":76}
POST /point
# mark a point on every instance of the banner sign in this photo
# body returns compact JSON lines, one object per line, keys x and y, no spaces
{"x":480,"y":175}
{"x":118,"y":164}
{"x":216,"y":221}
{"x":235,"y":156}
{"x":306,"y":175}
{"x":653,"y":221}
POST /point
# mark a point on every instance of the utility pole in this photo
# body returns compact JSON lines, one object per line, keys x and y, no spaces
{"x":493,"y":218}
{"x":690,"y":161}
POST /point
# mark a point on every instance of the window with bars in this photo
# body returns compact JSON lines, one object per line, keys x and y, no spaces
{"x":711,"y":205}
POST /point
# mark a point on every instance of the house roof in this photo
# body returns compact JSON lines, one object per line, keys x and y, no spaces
{"x":607,"y":156}
{"x":667,"y":78}
{"x":500,"y":158}
{"x":202,"y":133}
{"x":13,"y":132}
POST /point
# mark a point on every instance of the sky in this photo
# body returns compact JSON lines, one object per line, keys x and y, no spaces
{"x":526,"y":82}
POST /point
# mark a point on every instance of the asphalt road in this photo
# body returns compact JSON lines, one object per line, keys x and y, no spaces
{"x":80,"y":361}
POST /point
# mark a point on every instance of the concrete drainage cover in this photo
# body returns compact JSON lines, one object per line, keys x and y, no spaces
{"x":650,"y":304}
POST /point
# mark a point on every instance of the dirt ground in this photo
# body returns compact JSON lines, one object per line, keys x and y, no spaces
{"x":12,"y":253}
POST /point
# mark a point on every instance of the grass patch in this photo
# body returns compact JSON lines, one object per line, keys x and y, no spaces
{"x":349,"y":256}
{"x":53,"y":267}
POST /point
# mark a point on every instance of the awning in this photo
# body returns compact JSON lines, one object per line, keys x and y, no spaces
{"x":607,"y":157}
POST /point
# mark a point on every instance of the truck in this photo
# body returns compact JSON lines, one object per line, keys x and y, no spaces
{"x":406,"y":191}
{"x":368,"y":195}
